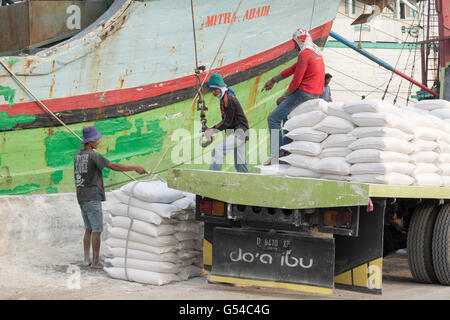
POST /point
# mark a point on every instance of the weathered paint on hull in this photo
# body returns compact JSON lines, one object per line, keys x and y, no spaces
{"x":40,"y":160}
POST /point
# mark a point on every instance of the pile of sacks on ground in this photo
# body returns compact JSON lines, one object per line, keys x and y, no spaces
{"x":153,"y":237}
{"x":368,"y":141}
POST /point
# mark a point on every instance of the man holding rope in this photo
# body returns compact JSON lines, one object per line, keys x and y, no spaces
{"x":88,"y":166}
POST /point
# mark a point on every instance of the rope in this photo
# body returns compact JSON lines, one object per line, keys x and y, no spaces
{"x":398,"y":60}
{"x":195,"y":38}
{"x":40,"y":103}
{"x":129,"y":228}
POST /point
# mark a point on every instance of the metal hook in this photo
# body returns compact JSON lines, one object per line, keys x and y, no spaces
{"x":207,"y":143}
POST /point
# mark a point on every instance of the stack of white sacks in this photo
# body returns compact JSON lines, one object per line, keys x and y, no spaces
{"x":369,"y":141}
{"x":152,"y":235}
{"x":432,"y":135}
{"x":320,"y":141}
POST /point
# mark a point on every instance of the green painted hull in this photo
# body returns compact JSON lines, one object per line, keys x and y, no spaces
{"x":41,"y":160}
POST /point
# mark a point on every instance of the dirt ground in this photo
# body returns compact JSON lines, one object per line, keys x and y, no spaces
{"x":53,"y":274}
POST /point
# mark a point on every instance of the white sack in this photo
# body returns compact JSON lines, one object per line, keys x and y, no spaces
{"x":309,"y":106}
{"x":184,"y":203}
{"x":424,"y":133}
{"x":432,"y":104}
{"x":390,"y":178}
{"x":143,"y":255}
{"x":189,"y":272}
{"x":335,"y":166}
{"x":422,"y":168}
{"x":121,"y":209}
{"x":274,"y":169}
{"x":444,"y":158}
{"x":305,"y":148}
{"x":122,"y":243}
{"x":335,"y":177}
{"x":334,"y":125}
{"x":164,"y":210}
{"x":188,"y":254}
{"x":424,"y":157}
{"x":161,"y":241}
{"x":152,"y":191}
{"x":185,"y":216}
{"x":183,"y":236}
{"x":308,"y":119}
{"x":446,"y":181}
{"x":143,"y":227}
{"x":190,"y":245}
{"x":441,"y":113}
{"x":368,"y":119}
{"x":443,"y":147}
{"x":382,"y":168}
{"x":428,"y":180}
{"x":416,"y":110}
{"x":306,"y":134}
{"x":141,"y":276}
{"x":383,"y":144}
{"x":424,"y":145}
{"x":300,"y":161}
{"x":444,"y":169}
{"x":335,"y":152}
{"x":301,"y":172}
{"x":336,"y":109}
{"x":189,"y":226}
{"x":370,"y":105}
{"x":365,"y":132}
{"x":146,"y":265}
{"x":374,"y":155}
{"x":338,"y":141}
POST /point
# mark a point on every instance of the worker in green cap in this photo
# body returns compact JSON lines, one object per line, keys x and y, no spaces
{"x":234,"y":122}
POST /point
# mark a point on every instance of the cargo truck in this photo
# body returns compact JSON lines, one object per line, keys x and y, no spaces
{"x":313,"y":235}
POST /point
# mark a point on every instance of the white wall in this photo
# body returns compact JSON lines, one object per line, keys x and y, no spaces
{"x":354,"y":75}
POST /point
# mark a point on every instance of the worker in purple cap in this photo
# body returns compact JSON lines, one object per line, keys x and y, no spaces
{"x":88,"y":166}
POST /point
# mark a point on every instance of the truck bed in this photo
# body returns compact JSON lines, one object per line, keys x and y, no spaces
{"x":291,"y":192}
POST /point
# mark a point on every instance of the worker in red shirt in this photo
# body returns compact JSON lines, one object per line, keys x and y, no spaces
{"x":307,"y":83}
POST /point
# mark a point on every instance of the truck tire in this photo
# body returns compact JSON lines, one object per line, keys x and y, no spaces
{"x":419,"y":243}
{"x":441,"y":245}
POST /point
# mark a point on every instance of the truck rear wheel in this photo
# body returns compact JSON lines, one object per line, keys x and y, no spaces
{"x":419,"y":243}
{"x":441,"y":245}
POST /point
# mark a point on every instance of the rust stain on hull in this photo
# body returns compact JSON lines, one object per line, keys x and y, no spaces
{"x":251,"y":100}
{"x":50,"y":94}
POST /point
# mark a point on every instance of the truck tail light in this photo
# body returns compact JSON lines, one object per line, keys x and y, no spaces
{"x":206,"y":206}
{"x":337,"y":219}
{"x":218,"y":208}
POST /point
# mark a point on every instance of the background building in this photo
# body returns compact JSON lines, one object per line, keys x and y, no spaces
{"x":392,"y":37}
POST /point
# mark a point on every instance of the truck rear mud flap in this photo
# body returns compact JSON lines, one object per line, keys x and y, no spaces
{"x":273,"y":259}
{"x":295,"y":261}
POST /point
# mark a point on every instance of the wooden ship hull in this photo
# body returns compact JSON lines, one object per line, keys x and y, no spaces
{"x":131,"y":74}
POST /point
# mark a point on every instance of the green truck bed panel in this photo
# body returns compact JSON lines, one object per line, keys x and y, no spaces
{"x":269,"y":191}
{"x":289,"y":192}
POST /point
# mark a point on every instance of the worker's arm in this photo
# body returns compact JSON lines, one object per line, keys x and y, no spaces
{"x":122,"y":167}
{"x":284,"y":74}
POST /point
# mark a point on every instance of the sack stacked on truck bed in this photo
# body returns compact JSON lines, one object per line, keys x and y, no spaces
{"x":381,"y":152}
{"x":313,"y":126}
{"x":433,"y":118}
{"x":153,"y":237}
{"x":369,"y":141}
